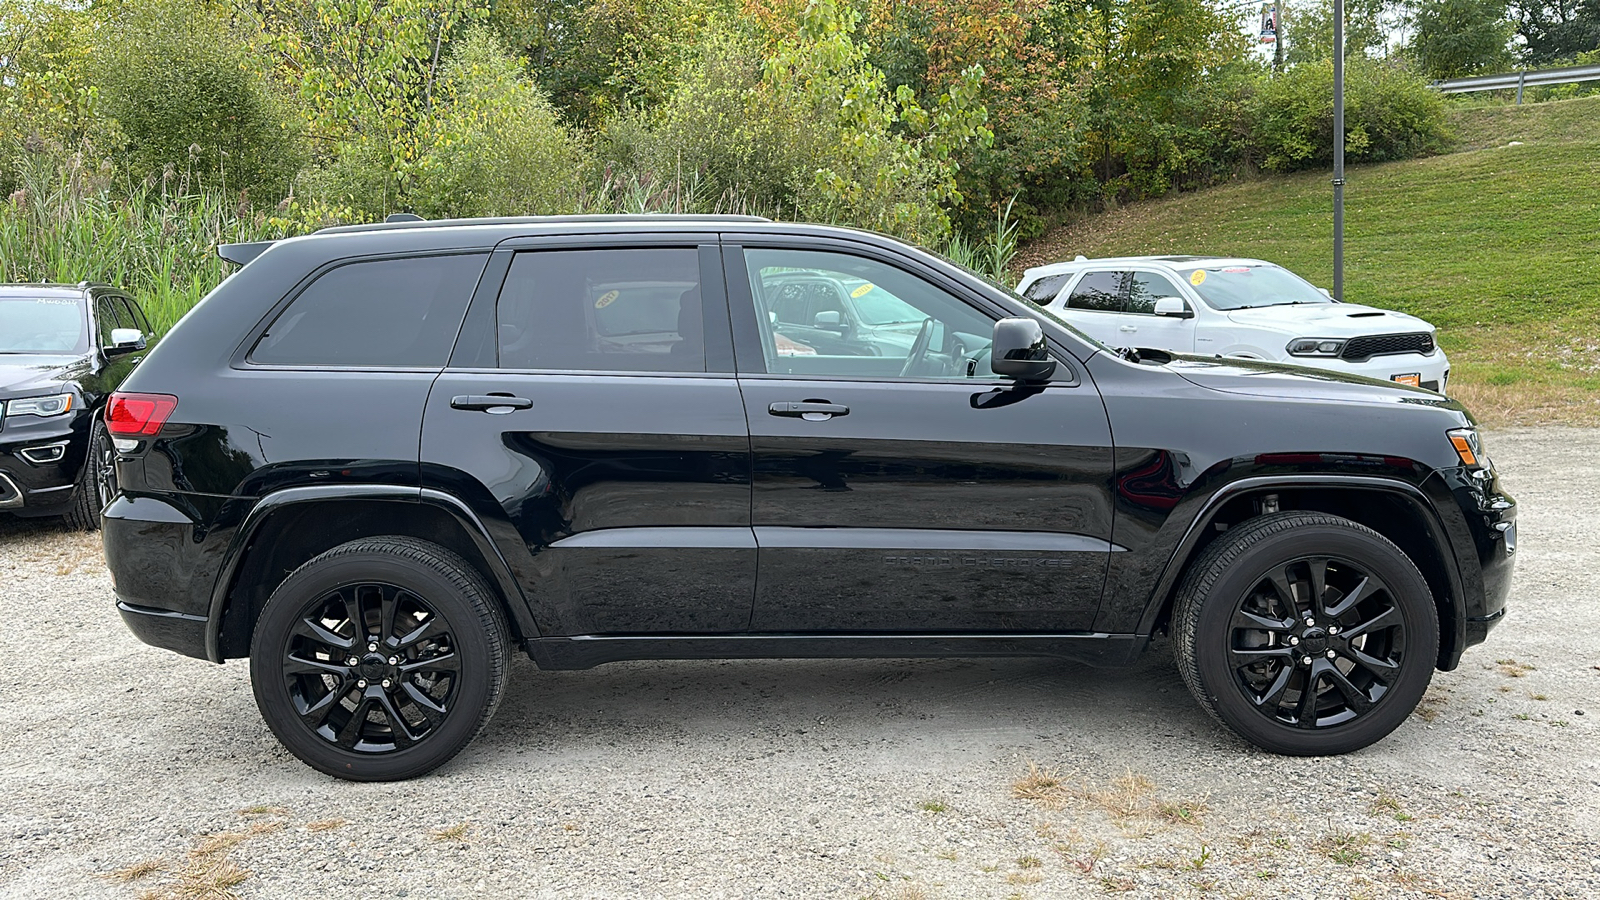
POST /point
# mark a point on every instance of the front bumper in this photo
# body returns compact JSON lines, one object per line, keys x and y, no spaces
{"x":1431,"y":370}
{"x":1486,"y":552}
{"x":32,"y":478}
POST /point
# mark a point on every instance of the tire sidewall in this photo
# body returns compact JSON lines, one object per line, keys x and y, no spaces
{"x":308,"y":585}
{"x":1371,"y":552}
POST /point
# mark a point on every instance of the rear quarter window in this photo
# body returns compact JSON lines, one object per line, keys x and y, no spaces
{"x":1045,"y":289}
{"x":394,"y":313}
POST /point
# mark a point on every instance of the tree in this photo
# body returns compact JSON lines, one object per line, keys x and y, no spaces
{"x":1555,"y":31}
{"x":1459,"y":37}
{"x":1365,"y":30}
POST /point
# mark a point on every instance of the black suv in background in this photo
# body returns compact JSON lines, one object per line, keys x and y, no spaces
{"x":63,"y":350}
{"x":377,"y":459}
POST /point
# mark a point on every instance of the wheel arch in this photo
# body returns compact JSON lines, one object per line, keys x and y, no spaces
{"x":1398,"y":510}
{"x":289,"y":527}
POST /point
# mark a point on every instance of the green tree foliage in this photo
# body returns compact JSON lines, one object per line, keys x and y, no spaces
{"x":48,"y":101}
{"x":494,"y":145}
{"x":1309,"y":28}
{"x":1389,"y":114}
{"x":1556,"y":31}
{"x":1460,"y":37}
{"x":183,"y":89}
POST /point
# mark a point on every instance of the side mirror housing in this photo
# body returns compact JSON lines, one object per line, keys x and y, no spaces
{"x":123,"y":341}
{"x":830,"y":320}
{"x":1019,"y":350}
{"x":1174,"y":307}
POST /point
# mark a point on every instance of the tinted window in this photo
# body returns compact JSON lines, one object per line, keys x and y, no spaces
{"x":388,"y":312}
{"x":1099,"y":291}
{"x":139,"y":321}
{"x":1146,"y":288}
{"x":1250,"y":286}
{"x":881,"y":312}
{"x":603,"y":310}
{"x":1045,"y":289}
{"x":111,"y":314}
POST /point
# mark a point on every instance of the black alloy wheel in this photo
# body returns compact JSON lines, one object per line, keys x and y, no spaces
{"x":380,"y":659}
{"x":1307,"y":634}
{"x":97,"y":480}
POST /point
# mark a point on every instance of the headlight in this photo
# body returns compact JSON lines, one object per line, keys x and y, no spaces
{"x":40,"y":406}
{"x":1315,"y":347}
{"x":1469,"y":447}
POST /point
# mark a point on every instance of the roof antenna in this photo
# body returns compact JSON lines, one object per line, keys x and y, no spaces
{"x":403,"y":217}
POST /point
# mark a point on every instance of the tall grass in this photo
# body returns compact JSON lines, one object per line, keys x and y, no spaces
{"x":157,"y":239}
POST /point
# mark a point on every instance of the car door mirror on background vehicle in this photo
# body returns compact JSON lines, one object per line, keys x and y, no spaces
{"x":1019,"y":350}
{"x":831,"y":320}
{"x":124,"y":340}
{"x":1174,"y":307}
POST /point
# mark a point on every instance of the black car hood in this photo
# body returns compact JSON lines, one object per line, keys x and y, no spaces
{"x":26,"y":374}
{"x":1266,"y":379}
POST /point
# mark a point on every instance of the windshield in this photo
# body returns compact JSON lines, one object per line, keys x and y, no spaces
{"x":877,"y":306}
{"x":1247,"y":287}
{"x":42,"y":325}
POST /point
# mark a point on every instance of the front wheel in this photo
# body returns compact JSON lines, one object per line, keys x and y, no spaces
{"x":380,"y":659}
{"x":97,"y":482}
{"x":1306,"y":633}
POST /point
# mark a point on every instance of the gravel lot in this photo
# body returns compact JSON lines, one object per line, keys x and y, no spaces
{"x":892,"y":779}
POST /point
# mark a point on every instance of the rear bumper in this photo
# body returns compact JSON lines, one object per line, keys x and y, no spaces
{"x":166,"y":629}
{"x":162,"y":569}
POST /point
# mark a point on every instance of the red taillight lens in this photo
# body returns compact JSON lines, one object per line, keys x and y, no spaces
{"x":138,"y":415}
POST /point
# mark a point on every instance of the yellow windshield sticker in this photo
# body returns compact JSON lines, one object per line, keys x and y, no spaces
{"x":862,"y":291}
{"x":608,"y":296}
{"x":1197,"y":277}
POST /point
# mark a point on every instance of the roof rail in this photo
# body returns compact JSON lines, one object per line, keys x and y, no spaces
{"x":620,"y":218}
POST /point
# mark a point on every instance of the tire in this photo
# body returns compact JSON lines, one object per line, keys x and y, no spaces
{"x":96,"y":484}
{"x":430,"y":652}
{"x":1372,"y":645}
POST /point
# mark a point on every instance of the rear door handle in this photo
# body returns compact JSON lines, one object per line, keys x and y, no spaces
{"x":814,"y":410}
{"x":498,"y":404}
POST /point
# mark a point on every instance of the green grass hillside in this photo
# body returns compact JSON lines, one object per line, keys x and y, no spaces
{"x":1497,"y":245}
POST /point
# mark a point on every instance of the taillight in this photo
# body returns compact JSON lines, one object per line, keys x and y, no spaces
{"x":138,"y":415}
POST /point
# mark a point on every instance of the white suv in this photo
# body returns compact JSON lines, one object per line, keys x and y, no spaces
{"x":1242,"y":308}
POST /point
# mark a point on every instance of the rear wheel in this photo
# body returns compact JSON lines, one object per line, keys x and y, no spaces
{"x":1307,"y":634}
{"x":380,"y":659}
{"x":97,"y":482}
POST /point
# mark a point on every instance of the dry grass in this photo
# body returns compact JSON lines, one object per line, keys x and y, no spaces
{"x":1127,"y":797}
{"x":327,"y":824}
{"x":263,"y":811}
{"x":1345,"y":847}
{"x":138,"y":870}
{"x":207,"y":874}
{"x":456,"y":832}
{"x":221,"y":842}
{"x":1513,"y":669}
{"x":1429,"y":707}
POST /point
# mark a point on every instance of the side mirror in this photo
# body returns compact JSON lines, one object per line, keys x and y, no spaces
{"x":1019,"y":350}
{"x":1326,"y":293}
{"x":1174,"y":307}
{"x":123,"y":341}
{"x":830,"y":320}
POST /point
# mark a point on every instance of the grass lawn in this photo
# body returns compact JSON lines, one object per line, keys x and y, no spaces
{"x":1497,"y":245}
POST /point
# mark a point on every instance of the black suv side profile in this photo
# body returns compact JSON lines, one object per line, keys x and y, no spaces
{"x":378,"y":458}
{"x":63,"y":350}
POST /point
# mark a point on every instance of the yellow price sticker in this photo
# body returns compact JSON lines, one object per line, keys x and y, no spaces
{"x":1198,"y":277}
{"x":605,"y":300}
{"x":862,"y":291}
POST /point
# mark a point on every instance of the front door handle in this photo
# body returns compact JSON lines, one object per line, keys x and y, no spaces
{"x":812,"y":410}
{"x":498,"y":404}
{"x":1128,"y":328}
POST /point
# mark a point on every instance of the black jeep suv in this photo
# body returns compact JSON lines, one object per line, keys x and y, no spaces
{"x":378,"y":458}
{"x":63,"y":350}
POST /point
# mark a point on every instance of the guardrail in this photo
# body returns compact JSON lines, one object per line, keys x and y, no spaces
{"x":1566,"y":75}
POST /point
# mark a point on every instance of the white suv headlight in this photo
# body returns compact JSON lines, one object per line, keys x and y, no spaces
{"x":1315,"y":347}
{"x":53,"y":405}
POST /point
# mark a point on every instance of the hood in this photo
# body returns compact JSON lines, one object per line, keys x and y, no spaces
{"x":1330,"y":320}
{"x":25,"y":374}
{"x":1265,"y":379}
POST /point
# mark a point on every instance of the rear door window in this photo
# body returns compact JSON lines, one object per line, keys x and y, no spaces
{"x":1098,"y":292}
{"x":385,"y":313}
{"x":625,"y":309}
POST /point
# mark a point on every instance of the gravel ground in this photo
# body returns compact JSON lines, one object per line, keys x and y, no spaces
{"x":891,"y":779}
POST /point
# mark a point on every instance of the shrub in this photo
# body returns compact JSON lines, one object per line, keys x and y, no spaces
{"x":1389,"y":114}
{"x":183,"y":88}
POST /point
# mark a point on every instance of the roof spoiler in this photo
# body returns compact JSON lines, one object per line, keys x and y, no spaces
{"x":240,"y":254}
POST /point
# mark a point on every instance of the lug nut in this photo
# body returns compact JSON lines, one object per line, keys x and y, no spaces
{"x":362,"y":683}
{"x":1333,"y":629}
{"x":394,"y":660}
{"x":1332,"y":654}
{"x":1294,"y":641}
{"x":386,"y":682}
{"x":352,"y":661}
{"x":1305,"y":661}
{"x":372,"y":647}
{"x":1310,"y":622}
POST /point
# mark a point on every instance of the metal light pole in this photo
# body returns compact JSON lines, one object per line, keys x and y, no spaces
{"x":1338,"y":149}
